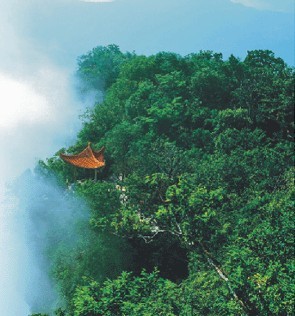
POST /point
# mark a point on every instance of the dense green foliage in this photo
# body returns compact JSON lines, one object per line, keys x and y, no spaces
{"x":198,"y":183}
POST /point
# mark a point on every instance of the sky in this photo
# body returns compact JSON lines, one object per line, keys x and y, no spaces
{"x":68,"y":28}
{"x":40,"y":41}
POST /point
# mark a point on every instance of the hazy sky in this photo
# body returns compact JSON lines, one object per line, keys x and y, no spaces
{"x":64,"y":29}
{"x":67,"y":28}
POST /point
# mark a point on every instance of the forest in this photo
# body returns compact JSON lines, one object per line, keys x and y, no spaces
{"x":193,"y":212}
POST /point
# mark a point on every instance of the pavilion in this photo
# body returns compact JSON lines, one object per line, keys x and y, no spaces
{"x":87,"y":158}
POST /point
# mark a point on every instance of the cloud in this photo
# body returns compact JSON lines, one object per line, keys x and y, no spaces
{"x":38,"y":115}
{"x":26,"y":104}
{"x":268,"y":5}
{"x":38,"y":109}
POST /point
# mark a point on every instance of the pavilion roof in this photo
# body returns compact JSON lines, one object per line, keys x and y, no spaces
{"x":88,"y":158}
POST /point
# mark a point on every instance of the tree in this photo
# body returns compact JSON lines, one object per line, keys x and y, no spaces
{"x":198,"y":183}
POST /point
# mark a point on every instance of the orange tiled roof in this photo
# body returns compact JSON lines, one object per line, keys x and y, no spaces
{"x":87,"y":158}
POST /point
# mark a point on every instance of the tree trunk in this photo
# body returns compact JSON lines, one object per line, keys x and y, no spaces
{"x":222,"y":275}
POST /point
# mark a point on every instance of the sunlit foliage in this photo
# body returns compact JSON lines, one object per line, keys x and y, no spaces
{"x":199,"y":183}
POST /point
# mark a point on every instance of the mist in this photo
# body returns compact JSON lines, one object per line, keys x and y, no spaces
{"x":52,"y":220}
{"x":39,"y":112}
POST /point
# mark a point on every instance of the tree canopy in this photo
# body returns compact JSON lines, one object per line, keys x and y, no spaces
{"x":198,"y":186}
